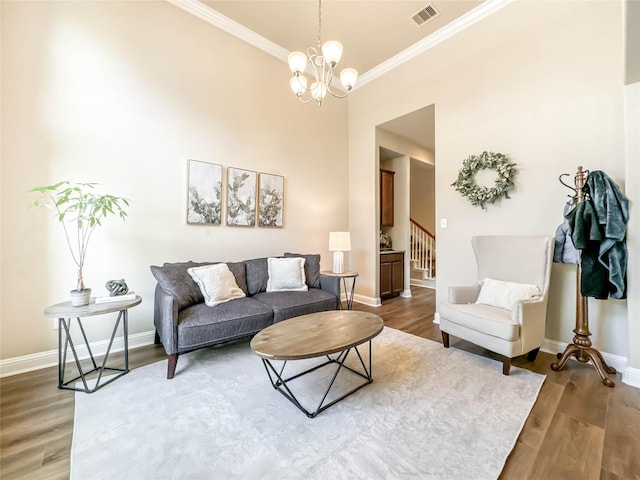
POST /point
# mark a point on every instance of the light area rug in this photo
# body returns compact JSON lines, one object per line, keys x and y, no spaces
{"x":430,"y":413}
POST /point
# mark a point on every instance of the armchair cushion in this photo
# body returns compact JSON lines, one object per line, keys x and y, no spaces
{"x":486,"y":319}
{"x":504,"y":295}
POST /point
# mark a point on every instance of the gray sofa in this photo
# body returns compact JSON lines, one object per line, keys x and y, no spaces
{"x":184,"y":322}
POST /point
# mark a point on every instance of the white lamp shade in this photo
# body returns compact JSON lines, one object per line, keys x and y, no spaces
{"x":332,"y":52}
{"x":297,"y":62}
{"x":339,"y":241}
{"x":318,"y":91}
{"x":298,"y":84}
{"x":348,"y":77}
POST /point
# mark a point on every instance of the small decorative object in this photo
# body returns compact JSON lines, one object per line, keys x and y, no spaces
{"x":270,"y":200}
{"x":205,"y":193}
{"x":116,"y":287}
{"x":479,"y":195}
{"x":79,"y":209}
{"x":241,"y":197}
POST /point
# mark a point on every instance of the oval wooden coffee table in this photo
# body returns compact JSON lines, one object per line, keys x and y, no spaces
{"x":314,"y":335}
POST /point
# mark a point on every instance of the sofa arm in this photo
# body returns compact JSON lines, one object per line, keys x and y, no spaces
{"x":165,"y":319}
{"x":332,"y":285}
{"x":467,"y":294}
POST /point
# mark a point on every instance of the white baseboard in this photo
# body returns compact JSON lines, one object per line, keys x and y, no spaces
{"x":36,"y":361}
{"x":436,"y":318}
{"x":369,"y":301}
{"x":631,"y":376}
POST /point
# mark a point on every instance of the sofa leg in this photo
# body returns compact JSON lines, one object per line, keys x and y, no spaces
{"x":171,"y":367}
{"x":506,"y":365}
{"x":531,"y":356}
{"x":156,"y":339}
{"x":445,"y":339}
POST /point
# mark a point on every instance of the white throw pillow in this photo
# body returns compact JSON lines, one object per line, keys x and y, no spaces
{"x":286,"y":275}
{"x":504,"y":294}
{"x":217,"y":283}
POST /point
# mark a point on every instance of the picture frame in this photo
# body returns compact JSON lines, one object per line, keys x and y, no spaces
{"x":270,"y":200}
{"x":241,"y":197}
{"x":204,"y":193}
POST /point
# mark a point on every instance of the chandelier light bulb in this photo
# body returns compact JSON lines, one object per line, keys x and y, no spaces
{"x":298,"y":84}
{"x":332,"y":52}
{"x":318,"y":91}
{"x":297,"y":62}
{"x":348,"y":78}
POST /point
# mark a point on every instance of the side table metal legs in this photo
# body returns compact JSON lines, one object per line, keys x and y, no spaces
{"x":348,"y":294}
{"x":65,"y":324}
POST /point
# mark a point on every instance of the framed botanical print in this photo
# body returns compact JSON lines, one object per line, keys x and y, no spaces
{"x":270,"y":200}
{"x":241,"y":197}
{"x":204,"y":202}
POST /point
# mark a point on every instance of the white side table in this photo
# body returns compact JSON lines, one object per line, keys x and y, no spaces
{"x":65,"y":313}
{"x":348,"y":294}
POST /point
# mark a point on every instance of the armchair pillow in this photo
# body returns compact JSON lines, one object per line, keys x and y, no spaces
{"x":217,"y":283}
{"x":502,"y":294}
{"x":286,"y":275}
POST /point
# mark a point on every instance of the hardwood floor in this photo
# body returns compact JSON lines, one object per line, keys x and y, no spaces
{"x":578,"y":428}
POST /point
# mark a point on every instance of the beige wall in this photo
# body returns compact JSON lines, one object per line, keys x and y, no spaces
{"x":538,"y":81}
{"x":423,"y":194}
{"x":123,"y":93}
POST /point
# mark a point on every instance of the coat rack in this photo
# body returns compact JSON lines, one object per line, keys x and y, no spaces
{"x":581,"y":347}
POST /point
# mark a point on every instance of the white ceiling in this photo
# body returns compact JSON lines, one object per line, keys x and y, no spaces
{"x":372,"y":33}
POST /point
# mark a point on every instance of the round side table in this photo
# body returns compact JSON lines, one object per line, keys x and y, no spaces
{"x":65,"y":313}
{"x":348,"y":294}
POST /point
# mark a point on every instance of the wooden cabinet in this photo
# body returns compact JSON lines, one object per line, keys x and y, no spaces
{"x":386,"y":197}
{"x":391,"y":274}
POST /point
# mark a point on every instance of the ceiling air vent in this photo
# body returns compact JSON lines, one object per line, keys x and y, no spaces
{"x":427,"y":13}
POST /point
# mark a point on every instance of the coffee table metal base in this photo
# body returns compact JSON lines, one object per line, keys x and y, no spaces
{"x":282,"y":384}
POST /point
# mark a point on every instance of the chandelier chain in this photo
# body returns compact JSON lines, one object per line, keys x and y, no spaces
{"x":319,"y":25}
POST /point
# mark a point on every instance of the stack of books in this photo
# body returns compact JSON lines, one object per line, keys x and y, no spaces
{"x":116,"y":298}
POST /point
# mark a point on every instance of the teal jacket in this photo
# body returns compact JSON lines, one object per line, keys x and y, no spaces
{"x":599,"y":226}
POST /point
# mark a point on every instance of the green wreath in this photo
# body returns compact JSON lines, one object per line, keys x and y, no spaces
{"x":479,"y":195}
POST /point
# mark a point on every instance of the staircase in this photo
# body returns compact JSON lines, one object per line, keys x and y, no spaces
{"x":423,"y":255}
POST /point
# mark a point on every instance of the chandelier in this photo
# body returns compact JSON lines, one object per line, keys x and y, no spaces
{"x":321,"y":62}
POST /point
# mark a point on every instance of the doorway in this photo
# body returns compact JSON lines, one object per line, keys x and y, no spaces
{"x":406,"y":146}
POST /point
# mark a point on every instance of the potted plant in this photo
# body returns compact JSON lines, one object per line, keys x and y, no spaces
{"x":79,"y":209}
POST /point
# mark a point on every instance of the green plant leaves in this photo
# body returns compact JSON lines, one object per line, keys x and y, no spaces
{"x":480,"y":195}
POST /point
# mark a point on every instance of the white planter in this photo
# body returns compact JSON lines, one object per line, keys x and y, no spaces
{"x":80,"y":298}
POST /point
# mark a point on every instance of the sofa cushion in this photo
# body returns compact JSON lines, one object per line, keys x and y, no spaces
{"x":175,"y":280}
{"x":311,"y":267}
{"x":257,"y":275}
{"x":217,"y":283}
{"x":200,"y":325}
{"x":286,"y":275}
{"x":292,"y":304}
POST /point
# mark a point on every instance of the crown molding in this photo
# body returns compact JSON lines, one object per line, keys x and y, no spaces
{"x":243,"y":33}
{"x":463,"y":22}
{"x":232,"y":27}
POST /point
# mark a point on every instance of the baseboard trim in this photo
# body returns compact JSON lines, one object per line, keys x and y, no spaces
{"x":616,"y":361}
{"x":369,"y":301}
{"x":631,"y":376}
{"x":36,"y":361}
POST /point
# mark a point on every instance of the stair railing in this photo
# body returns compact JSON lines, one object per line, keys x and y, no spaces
{"x":423,"y":249}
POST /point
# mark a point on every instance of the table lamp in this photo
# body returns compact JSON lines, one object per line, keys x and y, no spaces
{"x":339,"y":242}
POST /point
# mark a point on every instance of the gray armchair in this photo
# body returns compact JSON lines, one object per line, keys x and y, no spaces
{"x":510,"y":315}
